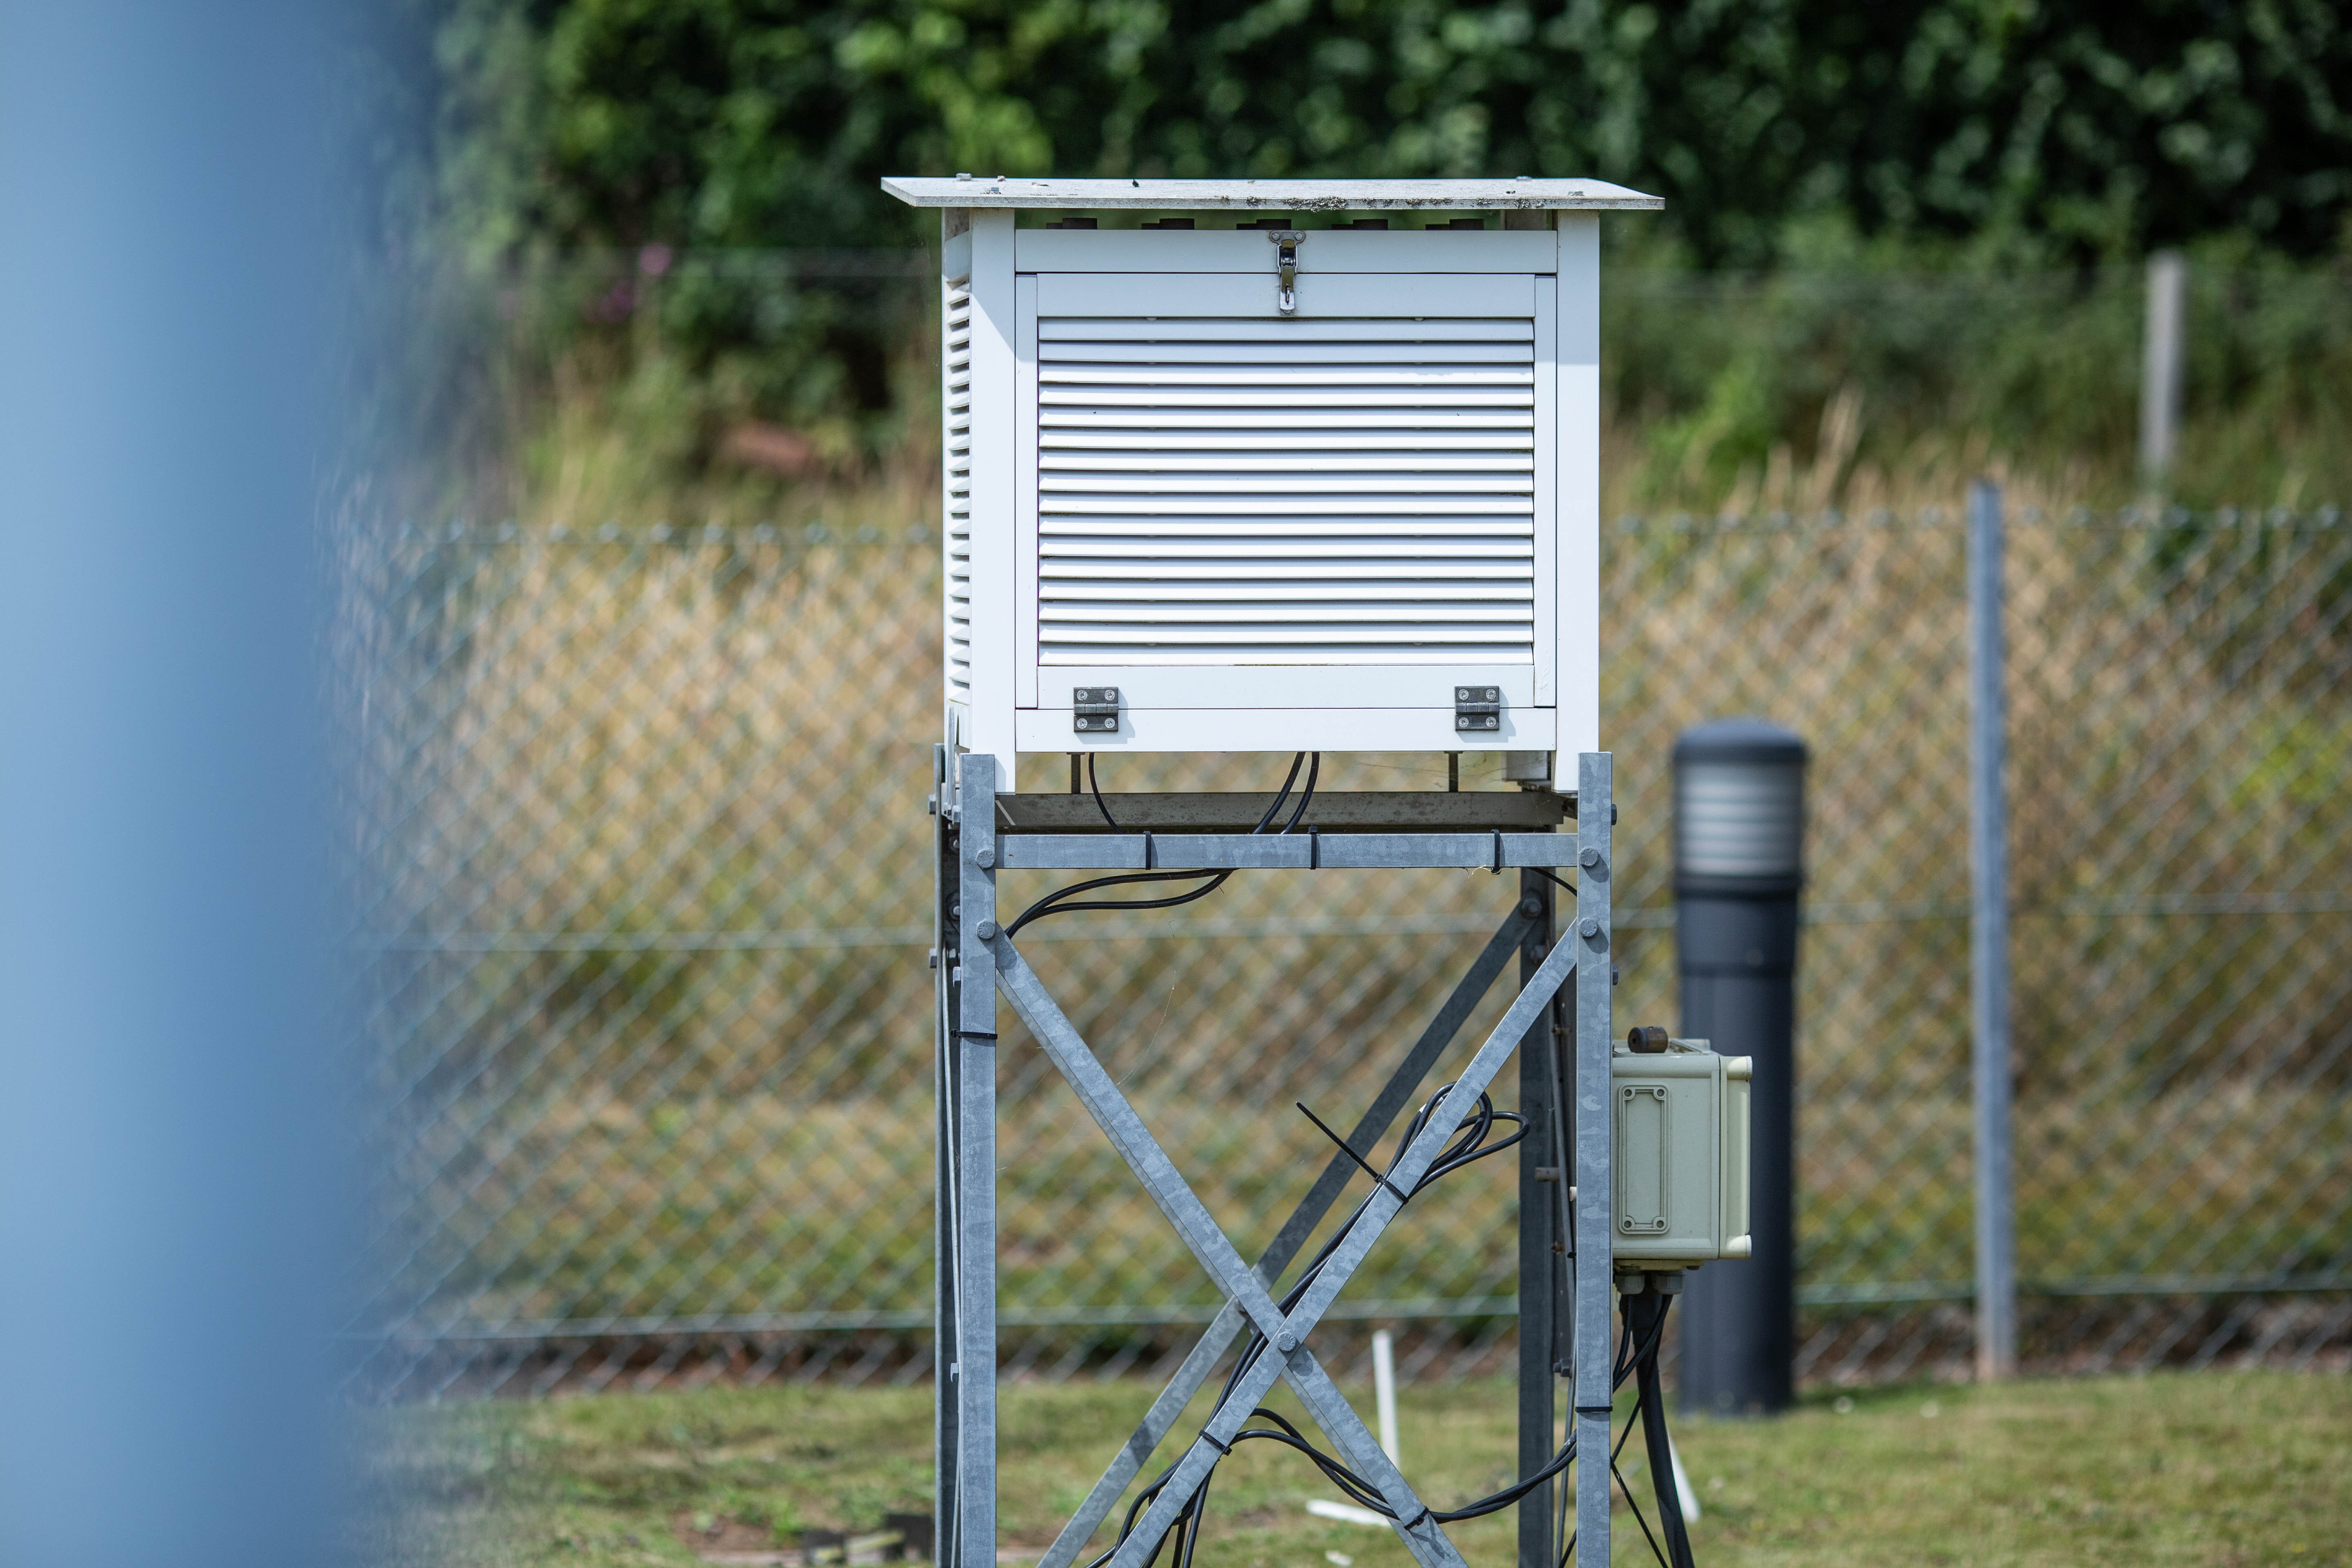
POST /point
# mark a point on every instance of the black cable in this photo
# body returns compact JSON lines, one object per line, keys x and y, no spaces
{"x":1096,"y":790}
{"x":1563,"y":882}
{"x":1053,"y":904}
{"x":1651,"y":1403}
{"x":1468,"y":1144}
{"x":1313,"y":769}
{"x":1321,"y":1127}
{"x":1465,"y":1148}
{"x":1284,"y":793}
{"x":1635,"y":1504}
{"x":1632,"y":1353}
{"x":1617,"y":1448}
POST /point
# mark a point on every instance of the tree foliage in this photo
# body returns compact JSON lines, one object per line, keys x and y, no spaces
{"x":2066,"y":128}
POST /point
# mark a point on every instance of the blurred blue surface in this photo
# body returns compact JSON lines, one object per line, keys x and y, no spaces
{"x":167,"y":1185}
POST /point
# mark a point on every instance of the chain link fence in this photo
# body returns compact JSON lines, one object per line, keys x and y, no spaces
{"x":640,"y":956}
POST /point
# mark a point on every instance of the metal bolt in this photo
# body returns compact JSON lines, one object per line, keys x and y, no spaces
{"x":1286,"y":1343}
{"x":1588,"y":926}
{"x":984,"y":858}
{"x":1531,"y":906}
{"x":1589,"y":859}
{"x":986,"y":931}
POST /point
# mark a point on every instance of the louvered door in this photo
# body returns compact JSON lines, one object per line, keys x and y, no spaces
{"x":1232,"y":511}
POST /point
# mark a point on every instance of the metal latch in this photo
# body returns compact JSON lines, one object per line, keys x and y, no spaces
{"x":1095,"y":709}
{"x":1287,"y":262}
{"x":1477,"y":707}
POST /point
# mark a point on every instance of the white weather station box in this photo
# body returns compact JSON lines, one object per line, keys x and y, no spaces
{"x":1290,"y":465}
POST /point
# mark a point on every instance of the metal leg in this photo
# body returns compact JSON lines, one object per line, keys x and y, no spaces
{"x":946,"y":902}
{"x":1393,"y":1097}
{"x":977,"y":960}
{"x":1595,"y":1120}
{"x":1540,"y":1179}
{"x":976,"y":1167}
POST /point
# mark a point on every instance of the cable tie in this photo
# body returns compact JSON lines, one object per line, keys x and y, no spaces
{"x":1210,"y":1438}
{"x":1498,"y":849}
{"x":1314,"y":849}
{"x":1417,"y":1519}
{"x":1148,"y":864}
{"x":975,"y":1033}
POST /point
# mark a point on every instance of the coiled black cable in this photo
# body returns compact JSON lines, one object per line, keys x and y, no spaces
{"x":1636,"y":1357}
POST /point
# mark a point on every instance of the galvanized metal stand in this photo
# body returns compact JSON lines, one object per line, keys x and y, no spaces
{"x":977,"y":960}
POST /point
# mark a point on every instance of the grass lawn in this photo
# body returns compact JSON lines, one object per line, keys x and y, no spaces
{"x":2220,"y":1468}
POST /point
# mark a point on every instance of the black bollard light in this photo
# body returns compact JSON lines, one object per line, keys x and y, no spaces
{"x":1739,"y":818}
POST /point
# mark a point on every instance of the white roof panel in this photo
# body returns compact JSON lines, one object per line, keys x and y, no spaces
{"x":1268,"y":196}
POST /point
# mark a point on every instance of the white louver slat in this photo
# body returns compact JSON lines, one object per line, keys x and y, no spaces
{"x":1255,"y":491}
{"x":957,"y":489}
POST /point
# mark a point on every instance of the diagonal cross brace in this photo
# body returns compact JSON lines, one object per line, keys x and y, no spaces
{"x":1166,"y":1410}
{"x":1134,"y":1141}
{"x":1199,"y":1228}
{"x":1288,"y":1356}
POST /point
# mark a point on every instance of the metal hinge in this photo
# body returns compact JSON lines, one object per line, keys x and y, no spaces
{"x":1477,"y":707}
{"x":1285,"y":262}
{"x":1095,"y":709}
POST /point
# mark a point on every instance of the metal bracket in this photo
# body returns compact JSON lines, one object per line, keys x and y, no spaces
{"x":1477,"y":707}
{"x":1286,"y":264}
{"x":1095,"y":709}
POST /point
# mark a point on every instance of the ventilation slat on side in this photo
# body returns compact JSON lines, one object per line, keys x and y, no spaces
{"x":1270,"y":492}
{"x":957,"y":395}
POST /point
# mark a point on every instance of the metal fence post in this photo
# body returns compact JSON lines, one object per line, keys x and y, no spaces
{"x":1739,"y":821}
{"x":1988,"y":941}
{"x":2162,"y":361}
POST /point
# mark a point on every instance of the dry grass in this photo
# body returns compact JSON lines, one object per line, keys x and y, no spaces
{"x":601,"y":745}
